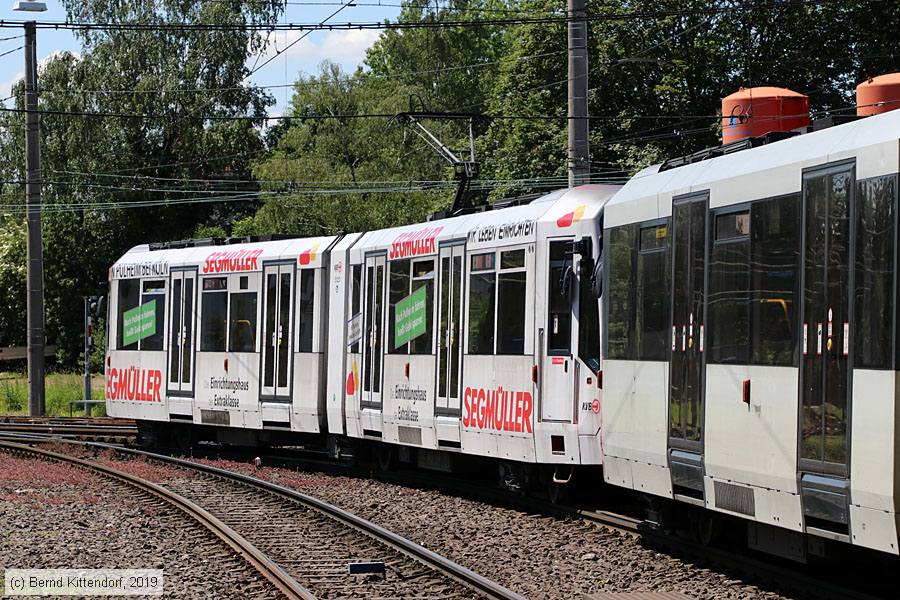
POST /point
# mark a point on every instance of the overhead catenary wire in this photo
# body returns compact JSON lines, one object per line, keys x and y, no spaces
{"x":298,"y":40}
{"x":11,"y":51}
{"x":642,"y":136}
{"x":289,"y":186}
{"x":309,"y":117}
{"x":379,"y":4}
{"x":436,"y":24}
{"x":310,"y":82}
{"x":351,"y":116}
{"x":437,"y":186}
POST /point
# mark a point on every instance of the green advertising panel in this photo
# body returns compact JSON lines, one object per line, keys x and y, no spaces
{"x":409,"y":317}
{"x":139,"y":323}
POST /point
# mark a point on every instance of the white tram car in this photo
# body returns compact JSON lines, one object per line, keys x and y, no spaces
{"x":750,"y":356}
{"x":749,"y":328}
{"x":477,"y":334}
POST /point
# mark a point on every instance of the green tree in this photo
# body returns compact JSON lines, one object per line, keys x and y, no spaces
{"x":188,"y":117}
{"x":12,"y":277}
{"x":350,"y":151}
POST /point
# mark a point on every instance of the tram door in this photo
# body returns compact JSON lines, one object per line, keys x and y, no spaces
{"x":559,"y":370}
{"x":825,"y":337}
{"x":182,"y":300}
{"x":687,"y":366}
{"x":277,"y":352}
{"x":373,"y":334}
{"x":449,"y":335}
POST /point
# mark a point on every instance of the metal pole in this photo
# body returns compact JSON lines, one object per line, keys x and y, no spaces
{"x":579,"y":148}
{"x":35,"y":265}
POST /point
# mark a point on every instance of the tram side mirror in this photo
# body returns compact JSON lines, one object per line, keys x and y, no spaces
{"x":585,"y":268}
{"x":97,"y":306}
{"x":565,"y":281}
{"x":597,"y":279}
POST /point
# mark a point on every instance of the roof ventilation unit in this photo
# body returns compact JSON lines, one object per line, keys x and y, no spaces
{"x":757,"y":111}
{"x":878,"y":95}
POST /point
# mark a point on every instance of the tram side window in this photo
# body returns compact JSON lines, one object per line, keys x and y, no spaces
{"x":728,"y":300}
{"x":154,"y":292}
{"x":588,"y":326}
{"x":620,"y":257}
{"x":482,"y":283}
{"x":407,"y":277}
{"x":753,"y":266}
{"x":242,"y":320}
{"x":356,"y":301}
{"x":774,"y":264}
{"x":213,"y":314}
{"x":511,"y":301}
{"x":559,"y":325}
{"x":423,"y":277}
{"x":306,"y":307}
{"x":399,"y":289}
{"x":127,"y":299}
{"x":875,"y":283}
{"x":652,"y":302}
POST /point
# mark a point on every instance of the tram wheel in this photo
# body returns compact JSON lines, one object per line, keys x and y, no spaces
{"x":705,"y":527}
{"x":560,"y":489}
{"x":385,"y":458}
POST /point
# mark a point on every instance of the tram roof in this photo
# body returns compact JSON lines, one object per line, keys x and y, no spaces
{"x":766,"y":171}
{"x":249,"y":255}
{"x":152,"y":261}
{"x":588,"y":199}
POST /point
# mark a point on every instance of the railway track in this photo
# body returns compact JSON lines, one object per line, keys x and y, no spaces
{"x":787,"y":577}
{"x":112,"y":431}
{"x":312,"y":541}
{"x":732,"y":561}
{"x":259,"y":561}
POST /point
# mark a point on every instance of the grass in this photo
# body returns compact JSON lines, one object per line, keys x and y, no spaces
{"x":60,"y":389}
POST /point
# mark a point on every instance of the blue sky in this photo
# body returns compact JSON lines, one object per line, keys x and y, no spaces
{"x":344,"y":47}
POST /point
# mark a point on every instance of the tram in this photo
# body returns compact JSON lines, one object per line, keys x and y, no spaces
{"x":720,"y":333}
{"x":478,"y":334}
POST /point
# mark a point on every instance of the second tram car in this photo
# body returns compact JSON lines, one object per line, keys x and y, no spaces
{"x":477,"y":334}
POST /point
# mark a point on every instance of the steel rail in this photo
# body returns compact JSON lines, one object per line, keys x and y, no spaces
{"x":69,"y":427}
{"x":259,"y":561}
{"x":649,"y":533}
{"x":104,"y":421}
{"x":439,"y":563}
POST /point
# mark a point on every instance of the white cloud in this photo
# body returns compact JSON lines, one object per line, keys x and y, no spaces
{"x":347,"y":47}
{"x":6,"y":86}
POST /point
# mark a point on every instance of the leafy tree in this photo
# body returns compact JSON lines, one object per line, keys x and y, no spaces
{"x":12,"y":276}
{"x":184,"y":104}
{"x":447,"y":68}
{"x":655,"y":89}
{"x":352,"y":151}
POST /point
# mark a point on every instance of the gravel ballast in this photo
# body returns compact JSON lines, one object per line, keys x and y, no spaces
{"x":54,"y":515}
{"x":534,"y":555}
